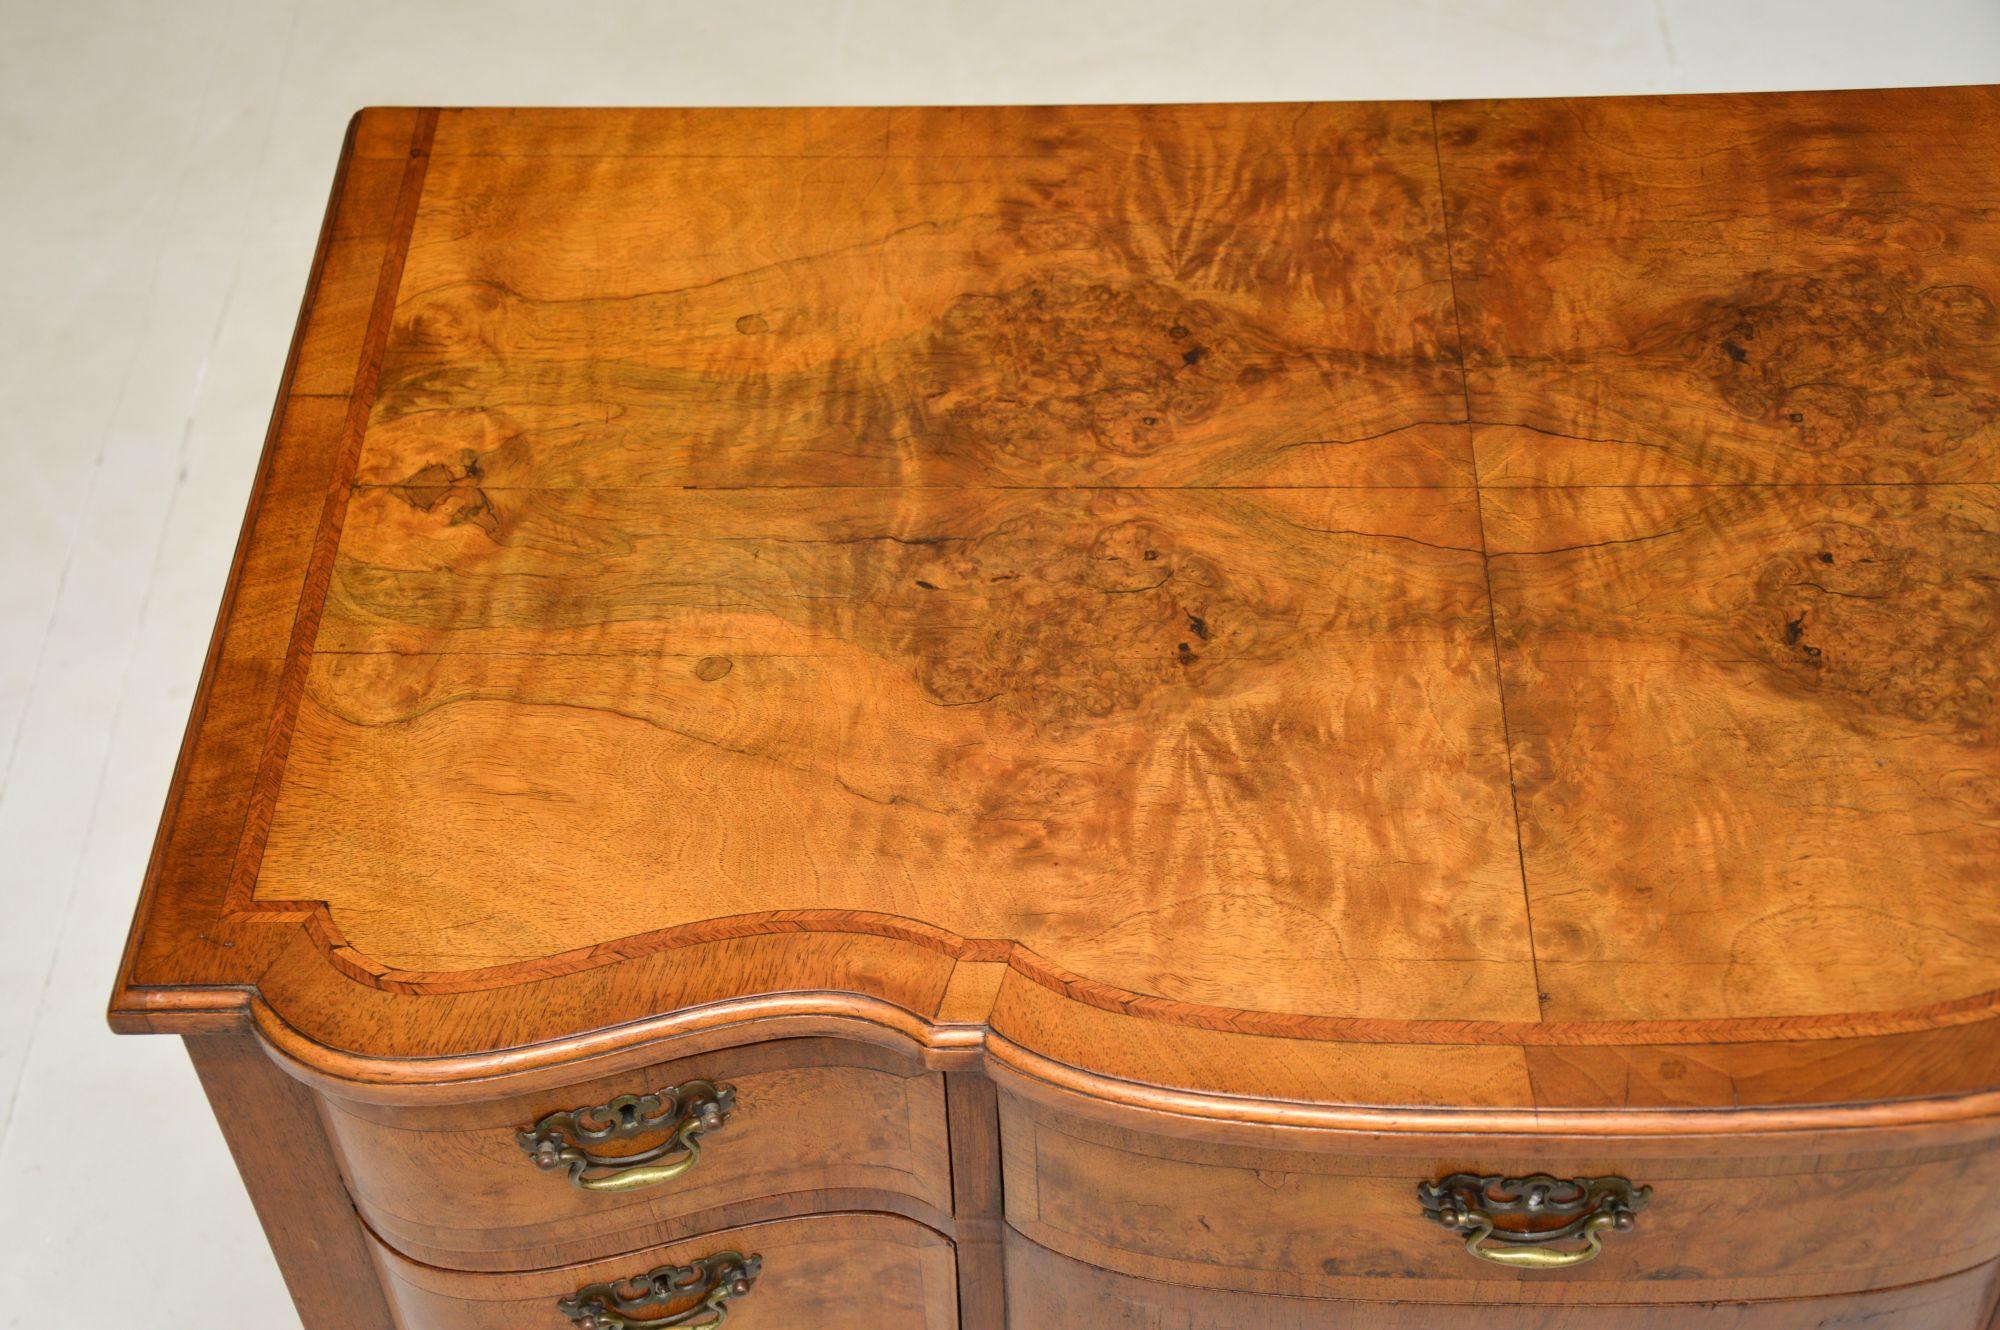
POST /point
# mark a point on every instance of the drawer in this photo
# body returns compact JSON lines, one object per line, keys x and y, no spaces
{"x":830,"y":1272}
{"x":1046,"y":1291}
{"x":1342,"y":1219}
{"x":813,"y":1124}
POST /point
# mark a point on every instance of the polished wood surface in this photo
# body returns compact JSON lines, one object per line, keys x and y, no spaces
{"x":1052,"y":1292}
{"x":271,"y":1123}
{"x":836,"y":1271}
{"x":1533,"y":607}
{"x":817,"y":1124}
{"x":978,"y":1203}
{"x":1338,"y":1218}
{"x":1143,"y":680}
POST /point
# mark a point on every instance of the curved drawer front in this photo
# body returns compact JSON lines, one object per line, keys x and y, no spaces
{"x":801,"y":1125}
{"x":830,"y":1272}
{"x":1346,"y":1220}
{"x":1047,"y":1291}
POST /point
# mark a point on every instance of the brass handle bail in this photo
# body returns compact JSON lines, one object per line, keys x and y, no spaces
{"x":569,"y":1140}
{"x":709,"y":1284}
{"x":1541,"y":1211}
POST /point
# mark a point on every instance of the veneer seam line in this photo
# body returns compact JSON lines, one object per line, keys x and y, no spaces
{"x":1486,"y":570}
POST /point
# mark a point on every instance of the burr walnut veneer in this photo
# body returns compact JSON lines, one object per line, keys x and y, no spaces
{"x":1311,"y":716}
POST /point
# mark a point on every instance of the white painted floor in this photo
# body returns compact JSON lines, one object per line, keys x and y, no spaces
{"x":163,"y":164}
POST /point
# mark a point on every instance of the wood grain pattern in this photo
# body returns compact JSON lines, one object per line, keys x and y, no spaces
{"x":978,"y":1201}
{"x":814,"y":1119}
{"x":770,"y":524}
{"x":1339,"y":1219}
{"x":1754,"y":743}
{"x":274,"y":1134}
{"x":1364,"y":608}
{"x":1796,"y":288}
{"x":1077,"y":793}
{"x":1053,"y":1292}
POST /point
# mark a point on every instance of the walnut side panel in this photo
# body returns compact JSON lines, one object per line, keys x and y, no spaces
{"x":274,"y":1133}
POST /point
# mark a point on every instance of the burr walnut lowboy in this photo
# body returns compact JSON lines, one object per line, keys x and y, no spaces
{"x":1309,"y":716}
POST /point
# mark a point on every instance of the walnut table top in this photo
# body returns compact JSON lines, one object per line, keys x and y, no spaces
{"x":1307,"y":611}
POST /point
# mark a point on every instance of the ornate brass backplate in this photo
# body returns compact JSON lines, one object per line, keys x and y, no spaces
{"x":568,"y":1140}
{"x":1518,"y":1221}
{"x":711,"y":1282}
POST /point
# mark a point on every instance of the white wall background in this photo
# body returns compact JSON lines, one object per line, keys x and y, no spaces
{"x":163,"y":164}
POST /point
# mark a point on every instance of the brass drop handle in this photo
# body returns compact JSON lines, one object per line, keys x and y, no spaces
{"x":709,"y":1285}
{"x":1542,"y":1211}
{"x":682,"y":1114}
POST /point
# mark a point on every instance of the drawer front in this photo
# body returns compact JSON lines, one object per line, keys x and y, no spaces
{"x":812,"y":1125}
{"x":830,"y":1272}
{"x":1046,"y":1291}
{"x":1348,"y":1224}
